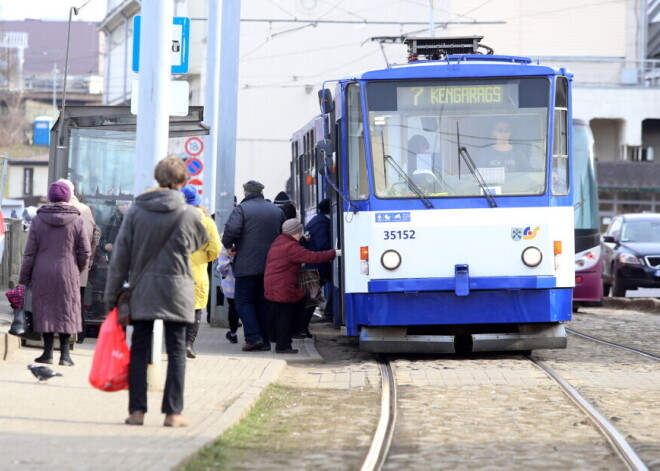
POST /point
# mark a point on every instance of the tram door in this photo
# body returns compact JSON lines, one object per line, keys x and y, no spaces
{"x":337,"y":218}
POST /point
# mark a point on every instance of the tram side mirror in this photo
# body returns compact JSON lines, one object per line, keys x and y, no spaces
{"x":325,"y":101}
{"x":609,"y":239}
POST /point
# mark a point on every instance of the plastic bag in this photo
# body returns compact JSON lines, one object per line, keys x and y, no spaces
{"x":111,"y":357}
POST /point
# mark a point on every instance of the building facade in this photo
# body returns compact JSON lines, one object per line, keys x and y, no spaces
{"x":289,"y":48}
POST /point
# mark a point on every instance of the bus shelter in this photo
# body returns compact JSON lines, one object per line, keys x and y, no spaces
{"x":99,"y":156}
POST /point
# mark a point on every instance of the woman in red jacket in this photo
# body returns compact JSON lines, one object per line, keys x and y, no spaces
{"x":281,"y":279}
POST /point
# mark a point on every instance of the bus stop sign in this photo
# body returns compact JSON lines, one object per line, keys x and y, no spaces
{"x":180,"y":44}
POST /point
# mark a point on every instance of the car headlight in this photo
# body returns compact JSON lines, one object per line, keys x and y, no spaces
{"x":629,"y":259}
{"x":390,"y":259}
{"x":532,"y":256}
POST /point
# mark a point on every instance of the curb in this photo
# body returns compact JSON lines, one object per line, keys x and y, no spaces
{"x":650,"y":305}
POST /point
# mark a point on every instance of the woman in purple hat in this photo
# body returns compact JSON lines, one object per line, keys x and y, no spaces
{"x":57,"y":250}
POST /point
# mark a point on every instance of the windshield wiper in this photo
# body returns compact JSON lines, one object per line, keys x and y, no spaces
{"x":411,"y":184}
{"x":463,"y":153}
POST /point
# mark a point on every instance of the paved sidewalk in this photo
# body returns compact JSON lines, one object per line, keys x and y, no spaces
{"x":67,"y":424}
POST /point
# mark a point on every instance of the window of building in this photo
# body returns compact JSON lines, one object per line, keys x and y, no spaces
{"x":28,"y":181}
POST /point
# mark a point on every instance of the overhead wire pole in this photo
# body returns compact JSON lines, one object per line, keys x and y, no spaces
{"x":153,"y":121}
{"x":211,"y":105}
{"x":211,"y":98}
{"x":227,"y":113}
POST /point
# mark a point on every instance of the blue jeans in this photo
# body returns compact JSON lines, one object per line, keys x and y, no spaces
{"x":252,"y":309}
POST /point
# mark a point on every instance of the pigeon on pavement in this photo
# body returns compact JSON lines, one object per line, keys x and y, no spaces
{"x":43,"y":373}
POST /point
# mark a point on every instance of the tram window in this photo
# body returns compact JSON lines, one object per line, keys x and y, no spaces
{"x":560,"y":140}
{"x":357,"y":163}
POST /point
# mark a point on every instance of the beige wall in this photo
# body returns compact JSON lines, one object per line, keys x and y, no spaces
{"x":14,"y":183}
{"x":543,"y":28}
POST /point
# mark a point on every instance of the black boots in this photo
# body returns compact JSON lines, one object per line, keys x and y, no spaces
{"x":65,"y":358}
{"x":47,"y":355}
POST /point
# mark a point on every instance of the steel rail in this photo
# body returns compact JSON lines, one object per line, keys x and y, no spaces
{"x":612,"y":344}
{"x":380,"y":445}
{"x":618,"y":442}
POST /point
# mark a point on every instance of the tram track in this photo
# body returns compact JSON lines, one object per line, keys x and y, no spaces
{"x":613,"y":436}
{"x":382,"y":440}
{"x":612,"y":344}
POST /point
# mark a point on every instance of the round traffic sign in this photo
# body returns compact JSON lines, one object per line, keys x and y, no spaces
{"x":194,"y":146}
{"x":197,"y":183}
{"x":194,"y":166}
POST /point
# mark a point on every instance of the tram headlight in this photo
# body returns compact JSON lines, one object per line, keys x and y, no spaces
{"x":390,"y":259}
{"x":532,"y":256}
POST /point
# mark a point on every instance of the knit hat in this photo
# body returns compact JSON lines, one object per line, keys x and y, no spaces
{"x":253,"y":186}
{"x":191,"y":195}
{"x":324,"y":206}
{"x":281,"y":198}
{"x":292,"y":227}
{"x":59,"y":192}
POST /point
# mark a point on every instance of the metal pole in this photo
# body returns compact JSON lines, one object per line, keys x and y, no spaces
{"x":231,"y":16}
{"x":60,"y":138}
{"x":211,"y":105}
{"x":431,"y":19}
{"x":211,"y":97}
{"x":153,"y":122}
{"x":54,"y":86}
{"x":62,"y":150}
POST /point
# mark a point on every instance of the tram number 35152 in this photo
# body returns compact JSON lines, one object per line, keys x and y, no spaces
{"x":402,"y":235}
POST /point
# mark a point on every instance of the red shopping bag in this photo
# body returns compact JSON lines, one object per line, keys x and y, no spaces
{"x":111,"y":357}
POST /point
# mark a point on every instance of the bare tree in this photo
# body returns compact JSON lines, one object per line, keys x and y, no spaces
{"x":13,"y":122}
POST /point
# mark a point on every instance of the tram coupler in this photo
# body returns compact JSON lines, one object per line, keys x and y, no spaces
{"x":462,"y":276}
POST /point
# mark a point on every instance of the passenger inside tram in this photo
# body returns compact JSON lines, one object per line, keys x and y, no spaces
{"x":502,"y":155}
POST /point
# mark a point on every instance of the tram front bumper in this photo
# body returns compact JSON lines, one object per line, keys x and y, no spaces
{"x":529,"y":337}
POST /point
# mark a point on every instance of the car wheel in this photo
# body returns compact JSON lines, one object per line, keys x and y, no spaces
{"x":618,"y":290}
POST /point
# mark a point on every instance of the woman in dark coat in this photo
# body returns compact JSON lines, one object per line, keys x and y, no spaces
{"x":281,"y":279}
{"x":152,"y":253}
{"x":57,"y":250}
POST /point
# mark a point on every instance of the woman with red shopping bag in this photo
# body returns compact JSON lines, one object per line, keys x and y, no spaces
{"x":152,"y":252}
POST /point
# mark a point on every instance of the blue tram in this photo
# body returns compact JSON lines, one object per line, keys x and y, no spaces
{"x":450,"y":185}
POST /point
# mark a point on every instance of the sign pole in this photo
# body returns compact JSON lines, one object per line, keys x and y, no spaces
{"x":153,"y":123}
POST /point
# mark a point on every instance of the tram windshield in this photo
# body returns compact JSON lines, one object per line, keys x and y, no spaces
{"x":416,"y":128}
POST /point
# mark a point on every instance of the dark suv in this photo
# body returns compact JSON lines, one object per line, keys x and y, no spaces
{"x":631,"y":253}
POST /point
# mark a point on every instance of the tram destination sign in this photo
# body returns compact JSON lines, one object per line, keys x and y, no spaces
{"x":457,"y":95}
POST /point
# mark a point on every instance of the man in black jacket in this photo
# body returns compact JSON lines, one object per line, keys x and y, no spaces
{"x":249,"y":232}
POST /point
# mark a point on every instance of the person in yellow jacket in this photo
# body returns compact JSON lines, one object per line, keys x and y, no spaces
{"x":198,"y":263}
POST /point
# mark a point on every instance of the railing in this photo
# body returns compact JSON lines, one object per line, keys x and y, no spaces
{"x":92,"y":84}
{"x":14,"y":40}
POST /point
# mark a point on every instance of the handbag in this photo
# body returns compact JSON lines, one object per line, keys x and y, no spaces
{"x":111,"y":356}
{"x":310,"y":281}
{"x":124,"y":295}
{"x":22,"y":324}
